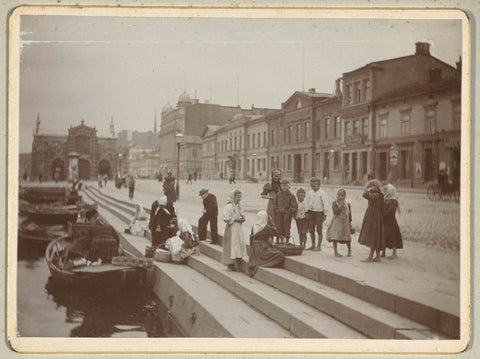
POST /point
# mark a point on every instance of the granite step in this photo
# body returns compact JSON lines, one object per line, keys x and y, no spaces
{"x":200,"y":307}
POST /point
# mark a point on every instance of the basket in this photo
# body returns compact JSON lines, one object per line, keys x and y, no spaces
{"x":290,"y":249}
{"x":162,"y":255}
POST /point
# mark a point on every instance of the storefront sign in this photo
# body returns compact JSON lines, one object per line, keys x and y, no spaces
{"x":452,"y":143}
{"x":393,"y":157}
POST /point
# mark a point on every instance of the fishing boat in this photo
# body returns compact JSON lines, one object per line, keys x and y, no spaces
{"x":56,"y":214}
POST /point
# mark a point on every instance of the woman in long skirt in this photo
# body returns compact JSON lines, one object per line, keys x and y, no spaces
{"x":262,"y":253}
{"x":270,"y":190}
{"x":393,"y":237}
{"x":372,"y":233}
{"x":234,"y":247}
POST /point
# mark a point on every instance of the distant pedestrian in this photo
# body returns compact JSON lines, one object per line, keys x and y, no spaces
{"x":234,"y":247}
{"x":105,"y":179}
{"x":317,"y":209}
{"x":210,"y":214}
{"x":80,"y":185}
{"x":40,"y":178}
{"x":160,"y":177}
{"x":169,"y":187}
{"x":56,"y":175}
{"x":339,"y":229}
{"x":100,"y":181}
{"x":189,"y":178}
{"x":285,"y":208}
{"x":232,"y":178}
{"x":393,"y":236}
{"x":195,"y":176}
{"x":221,"y":175}
{"x":301,"y":217}
{"x":372,"y":233}
{"x":131,"y":186}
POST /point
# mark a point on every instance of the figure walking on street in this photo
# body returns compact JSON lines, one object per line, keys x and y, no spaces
{"x":372,"y":233}
{"x":169,"y":187}
{"x":393,"y":236}
{"x":317,"y":209}
{"x":131,"y":187}
{"x":339,"y":229}
{"x":232,"y":179}
{"x":285,"y":208}
{"x":105,"y":180}
{"x":234,"y":247}
{"x":189,"y":178}
{"x":210,"y":214}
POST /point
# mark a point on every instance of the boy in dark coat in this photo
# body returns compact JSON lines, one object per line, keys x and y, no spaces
{"x":285,"y":207}
{"x":210,"y":214}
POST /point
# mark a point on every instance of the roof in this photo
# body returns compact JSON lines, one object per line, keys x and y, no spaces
{"x":418,"y":88}
{"x":315,"y":94}
{"x":210,"y":130}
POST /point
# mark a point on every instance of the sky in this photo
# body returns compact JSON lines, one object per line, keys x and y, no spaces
{"x":95,"y":68}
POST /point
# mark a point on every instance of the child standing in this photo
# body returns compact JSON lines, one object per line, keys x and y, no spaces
{"x":285,"y":206}
{"x":301,"y":217}
{"x":372,"y":233}
{"x":339,"y":229}
{"x":317,"y":208}
{"x":234,"y":247}
{"x":393,"y":237}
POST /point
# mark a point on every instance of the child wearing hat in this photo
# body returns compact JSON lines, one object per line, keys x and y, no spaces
{"x":285,"y":207}
{"x":210,"y":214}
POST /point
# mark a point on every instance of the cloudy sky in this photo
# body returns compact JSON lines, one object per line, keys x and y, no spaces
{"x":93,"y":68}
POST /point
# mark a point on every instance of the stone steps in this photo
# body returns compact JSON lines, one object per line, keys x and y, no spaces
{"x":200,"y":307}
{"x":378,"y":313}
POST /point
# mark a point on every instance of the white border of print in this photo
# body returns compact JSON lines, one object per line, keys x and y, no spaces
{"x":224,"y":345}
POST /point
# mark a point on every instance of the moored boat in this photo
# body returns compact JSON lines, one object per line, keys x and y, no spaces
{"x":54,"y":214}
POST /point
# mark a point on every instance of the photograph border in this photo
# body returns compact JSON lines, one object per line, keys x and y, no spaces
{"x":227,"y":345}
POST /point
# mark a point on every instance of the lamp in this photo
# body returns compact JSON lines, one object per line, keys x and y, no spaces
{"x":179,"y":137}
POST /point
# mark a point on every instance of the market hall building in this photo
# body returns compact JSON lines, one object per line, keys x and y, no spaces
{"x":80,"y":154}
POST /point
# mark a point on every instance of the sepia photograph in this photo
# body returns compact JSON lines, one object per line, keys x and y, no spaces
{"x":290,"y":181}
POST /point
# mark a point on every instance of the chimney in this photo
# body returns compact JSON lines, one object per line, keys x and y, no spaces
{"x":435,"y":74}
{"x":338,"y":91}
{"x":422,"y":49}
{"x":312,"y":90}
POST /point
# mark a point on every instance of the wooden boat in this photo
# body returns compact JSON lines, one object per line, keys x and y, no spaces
{"x":51,"y":194}
{"x":52,"y":214}
{"x":103,"y":276}
{"x":29,"y":231}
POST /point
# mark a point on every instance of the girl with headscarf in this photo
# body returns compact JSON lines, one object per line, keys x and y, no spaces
{"x":162,"y":225}
{"x":372,"y":233}
{"x":393,"y":237}
{"x":269,"y":192}
{"x":139,"y":224}
{"x":234,"y":248}
{"x":339,"y":229}
{"x":262,"y":253}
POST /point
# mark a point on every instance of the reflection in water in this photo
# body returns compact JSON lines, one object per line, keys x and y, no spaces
{"x":47,"y":309}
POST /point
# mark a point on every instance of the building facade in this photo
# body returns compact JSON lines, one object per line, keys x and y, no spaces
{"x":80,"y":154}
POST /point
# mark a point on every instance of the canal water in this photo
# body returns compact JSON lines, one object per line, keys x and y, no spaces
{"x":45,"y":309}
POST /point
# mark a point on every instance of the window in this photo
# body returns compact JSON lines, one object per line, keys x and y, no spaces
{"x":231,"y":144}
{"x":272,"y":163}
{"x":358,"y":92}
{"x":457,"y":116}
{"x":194,"y":153}
{"x":289,"y":162}
{"x":430,"y":119}
{"x":356,"y":127}
{"x":318,"y":158}
{"x":405,"y":125}
{"x":365,"y":126}
{"x":235,"y":143}
{"x":264,"y":164}
{"x":265,"y":139}
{"x":318,"y":130}
{"x":272,"y":139}
{"x":348,"y":128}
{"x":259,"y":144}
{"x":305,"y":161}
{"x":349,"y":93}
{"x":383,"y":126}
{"x":290,"y":133}
{"x":297,"y":135}
{"x":248,"y":164}
{"x":283,"y":160}
{"x":240,"y":143}
{"x":307,"y":130}
{"x":366,"y":90}
{"x":338,"y":127}
{"x":327,"y":127}
{"x":253,"y":141}
{"x":299,"y":104}
{"x":248,"y":142}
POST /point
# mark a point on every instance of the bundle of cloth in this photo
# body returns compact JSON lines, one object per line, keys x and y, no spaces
{"x":184,"y":244}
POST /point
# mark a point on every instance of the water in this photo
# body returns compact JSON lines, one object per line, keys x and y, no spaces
{"x":47,"y":310}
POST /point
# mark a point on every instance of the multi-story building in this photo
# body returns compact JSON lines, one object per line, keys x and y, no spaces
{"x":209,"y":152}
{"x":80,"y":154}
{"x":144,"y":162}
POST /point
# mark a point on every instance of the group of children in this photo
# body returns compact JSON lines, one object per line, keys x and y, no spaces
{"x":309,"y":209}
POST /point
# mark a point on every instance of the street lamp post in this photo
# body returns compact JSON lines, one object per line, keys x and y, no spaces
{"x":179,"y":137}
{"x":120,"y":155}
